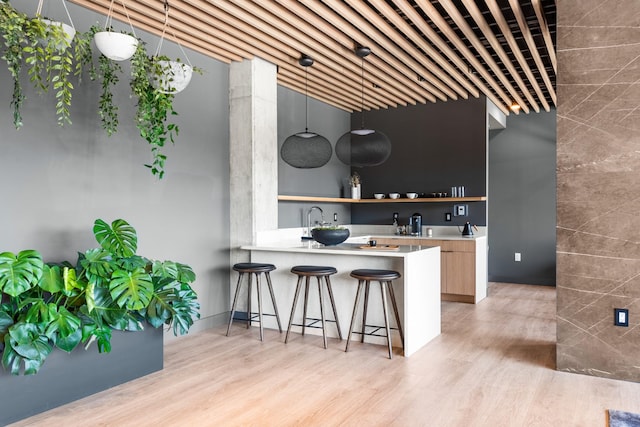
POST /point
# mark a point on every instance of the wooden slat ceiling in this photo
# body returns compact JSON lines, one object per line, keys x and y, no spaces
{"x":422,"y":50}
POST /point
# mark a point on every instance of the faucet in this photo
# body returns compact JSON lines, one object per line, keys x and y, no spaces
{"x":309,"y":219}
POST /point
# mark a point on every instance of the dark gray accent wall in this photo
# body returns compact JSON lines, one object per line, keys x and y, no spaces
{"x":326,"y":181}
{"x":57,"y":181}
{"x":434,"y":147}
{"x":522,"y":200}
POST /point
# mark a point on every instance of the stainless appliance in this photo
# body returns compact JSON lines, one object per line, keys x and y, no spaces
{"x":415,"y":224}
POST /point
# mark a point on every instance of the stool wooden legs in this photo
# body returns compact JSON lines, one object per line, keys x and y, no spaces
{"x":306,"y":300}
{"x":385,"y":286}
{"x":259,"y":294}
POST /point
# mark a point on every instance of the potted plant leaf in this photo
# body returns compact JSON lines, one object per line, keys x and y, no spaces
{"x":46,"y":306}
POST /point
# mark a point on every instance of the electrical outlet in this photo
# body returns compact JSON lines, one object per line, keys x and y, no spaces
{"x":447,"y":216}
{"x":621,"y":317}
{"x":518,"y":257}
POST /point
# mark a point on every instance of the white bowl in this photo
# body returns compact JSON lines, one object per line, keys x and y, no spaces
{"x":177,"y":76}
{"x":378,"y":196}
{"x":116,"y":46}
{"x":394,"y":195}
{"x":412,"y":195}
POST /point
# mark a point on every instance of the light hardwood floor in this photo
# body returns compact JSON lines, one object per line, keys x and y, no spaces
{"x":493,"y":365}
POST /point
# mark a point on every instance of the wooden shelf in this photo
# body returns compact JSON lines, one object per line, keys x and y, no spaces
{"x":400,"y":200}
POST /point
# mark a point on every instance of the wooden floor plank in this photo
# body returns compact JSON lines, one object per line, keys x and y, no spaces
{"x":493,"y":365}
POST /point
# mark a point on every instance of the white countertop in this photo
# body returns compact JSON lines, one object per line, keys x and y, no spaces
{"x":347,"y":248}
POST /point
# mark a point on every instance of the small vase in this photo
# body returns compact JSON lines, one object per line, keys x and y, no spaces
{"x":355,"y":192}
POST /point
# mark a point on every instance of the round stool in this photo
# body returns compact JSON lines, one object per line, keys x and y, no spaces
{"x":385,"y":277}
{"x":319,"y":272}
{"x":254,"y":269}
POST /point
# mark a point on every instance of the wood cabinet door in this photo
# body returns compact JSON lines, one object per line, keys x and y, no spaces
{"x":459,"y":273}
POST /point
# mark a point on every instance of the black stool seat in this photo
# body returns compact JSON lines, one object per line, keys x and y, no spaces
{"x":313,"y":270}
{"x":322,"y":275}
{"x":372,"y":274}
{"x":253,"y":267}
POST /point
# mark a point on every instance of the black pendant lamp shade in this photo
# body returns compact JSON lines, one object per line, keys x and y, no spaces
{"x":363,"y":147}
{"x":306,"y":150}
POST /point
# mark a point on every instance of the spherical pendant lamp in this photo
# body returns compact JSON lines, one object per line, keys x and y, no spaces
{"x":363,"y":147}
{"x":306,"y":150}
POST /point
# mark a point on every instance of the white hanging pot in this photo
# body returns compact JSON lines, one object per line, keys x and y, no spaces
{"x":116,"y":46}
{"x":69,"y":33}
{"x":173,"y":78}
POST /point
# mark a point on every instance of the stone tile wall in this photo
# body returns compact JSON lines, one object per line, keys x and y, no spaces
{"x":598,"y":186}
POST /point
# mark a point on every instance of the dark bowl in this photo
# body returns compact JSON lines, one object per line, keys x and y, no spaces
{"x":330,"y":236}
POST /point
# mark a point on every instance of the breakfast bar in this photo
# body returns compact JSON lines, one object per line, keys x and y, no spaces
{"x":417,"y":291}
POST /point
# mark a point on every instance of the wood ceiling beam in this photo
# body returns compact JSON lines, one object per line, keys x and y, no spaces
{"x":448,"y":71}
{"x":476,"y":14}
{"x":533,"y":48}
{"x":301,"y":43}
{"x":380,"y":61}
{"x":155,"y":27}
{"x":317,"y":86}
{"x":466,"y":29}
{"x":546,"y":34}
{"x":286,"y":79}
{"x":397,"y":58}
{"x":450,"y":34}
{"x":422,"y":66}
{"x":515,"y":49}
{"x":434,"y":38}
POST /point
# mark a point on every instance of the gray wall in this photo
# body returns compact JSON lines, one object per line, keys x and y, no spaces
{"x":327,"y":180}
{"x":57,"y":181}
{"x":434,"y":147}
{"x":522,"y":200}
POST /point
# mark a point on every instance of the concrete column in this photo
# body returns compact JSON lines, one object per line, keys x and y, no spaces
{"x":253,"y":132}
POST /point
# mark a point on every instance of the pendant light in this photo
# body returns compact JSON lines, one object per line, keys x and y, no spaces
{"x":306,"y":150}
{"x":363,"y":147}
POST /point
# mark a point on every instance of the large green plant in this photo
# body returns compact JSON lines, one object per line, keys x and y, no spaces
{"x":44,"y":306}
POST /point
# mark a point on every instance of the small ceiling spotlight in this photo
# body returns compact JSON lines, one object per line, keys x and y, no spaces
{"x":515,"y":107}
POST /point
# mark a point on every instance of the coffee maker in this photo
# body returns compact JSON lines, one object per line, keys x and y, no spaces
{"x":415,"y":224}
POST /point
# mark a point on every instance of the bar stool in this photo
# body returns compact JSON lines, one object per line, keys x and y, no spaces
{"x":385,"y":277}
{"x":254,"y":269}
{"x":319,"y":272}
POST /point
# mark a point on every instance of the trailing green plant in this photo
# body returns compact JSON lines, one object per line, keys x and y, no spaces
{"x":43,"y":48}
{"x":153,"y":108}
{"x":45,"y":305}
{"x":108,"y":73}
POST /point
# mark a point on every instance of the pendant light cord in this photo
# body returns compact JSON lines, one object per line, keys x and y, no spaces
{"x":306,"y":102}
{"x":362,"y":93}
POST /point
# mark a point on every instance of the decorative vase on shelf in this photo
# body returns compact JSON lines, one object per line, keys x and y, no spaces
{"x":355,"y":192}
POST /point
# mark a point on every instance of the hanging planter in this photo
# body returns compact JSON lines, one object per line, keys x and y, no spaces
{"x":116,"y":46}
{"x":166,"y":75}
{"x":68,"y":30}
{"x":171,"y":76}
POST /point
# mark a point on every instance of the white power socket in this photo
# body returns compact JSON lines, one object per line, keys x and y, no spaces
{"x":518,"y":257}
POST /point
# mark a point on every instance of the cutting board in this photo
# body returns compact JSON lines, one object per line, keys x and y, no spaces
{"x":381,"y":247}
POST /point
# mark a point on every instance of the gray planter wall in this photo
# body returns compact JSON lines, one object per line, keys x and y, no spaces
{"x":522,"y":200}
{"x":57,"y":181}
{"x":65,"y":377}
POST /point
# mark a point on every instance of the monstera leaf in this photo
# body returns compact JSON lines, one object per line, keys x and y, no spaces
{"x":19,"y":273}
{"x":131,"y":289}
{"x":119,"y":239}
{"x":52,"y":280}
{"x":64,"y":328}
{"x":25,"y":343}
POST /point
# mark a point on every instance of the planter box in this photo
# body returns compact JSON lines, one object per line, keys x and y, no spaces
{"x":67,"y":377}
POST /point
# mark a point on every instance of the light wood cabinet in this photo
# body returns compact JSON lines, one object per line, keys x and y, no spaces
{"x":462,"y":266}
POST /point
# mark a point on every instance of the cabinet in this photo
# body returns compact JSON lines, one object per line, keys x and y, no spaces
{"x":463,"y":266}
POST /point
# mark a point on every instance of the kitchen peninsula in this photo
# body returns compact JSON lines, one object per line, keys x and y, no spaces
{"x":417,"y":291}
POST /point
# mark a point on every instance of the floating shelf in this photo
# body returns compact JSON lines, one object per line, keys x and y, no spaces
{"x":387,"y":200}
